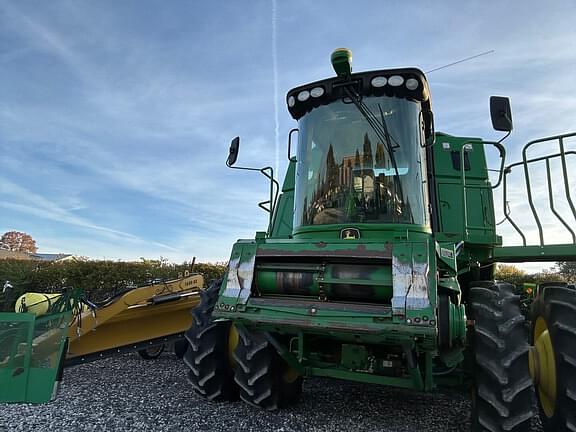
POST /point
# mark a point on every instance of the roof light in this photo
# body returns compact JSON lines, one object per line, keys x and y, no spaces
{"x":291,"y":101}
{"x":411,"y":84}
{"x":304,"y":95}
{"x":378,"y":81}
{"x":395,"y":80}
{"x":317,"y":92}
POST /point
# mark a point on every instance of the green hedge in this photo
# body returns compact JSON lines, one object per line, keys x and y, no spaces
{"x":98,"y":279}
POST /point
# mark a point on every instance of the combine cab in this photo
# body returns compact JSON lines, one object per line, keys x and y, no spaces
{"x":378,"y":266}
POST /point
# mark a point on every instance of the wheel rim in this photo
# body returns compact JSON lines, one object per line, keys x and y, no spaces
{"x":290,"y":375}
{"x":543,"y":367}
{"x":155,"y":351}
{"x":232,"y":344}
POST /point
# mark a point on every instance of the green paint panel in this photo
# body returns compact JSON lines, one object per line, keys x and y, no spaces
{"x":282,"y":220}
{"x":473,"y":222}
{"x":546,"y":253}
{"x":31,"y":351}
{"x":354,"y":357}
{"x":368,"y":232}
{"x":366,"y":378}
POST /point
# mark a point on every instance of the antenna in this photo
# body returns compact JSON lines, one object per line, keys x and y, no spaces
{"x":460,"y":61}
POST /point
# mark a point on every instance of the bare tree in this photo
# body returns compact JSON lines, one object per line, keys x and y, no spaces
{"x":567,"y":269}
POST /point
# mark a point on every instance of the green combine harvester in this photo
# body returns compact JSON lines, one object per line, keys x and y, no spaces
{"x":378,"y":264}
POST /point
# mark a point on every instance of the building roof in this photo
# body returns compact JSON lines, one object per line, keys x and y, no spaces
{"x":50,"y":257}
{"x":6,"y":254}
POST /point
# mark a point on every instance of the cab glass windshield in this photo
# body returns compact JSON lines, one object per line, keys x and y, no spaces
{"x":347,"y":174}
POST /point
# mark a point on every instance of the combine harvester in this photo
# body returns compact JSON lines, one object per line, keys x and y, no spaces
{"x":378,"y":264}
{"x":50,"y":331}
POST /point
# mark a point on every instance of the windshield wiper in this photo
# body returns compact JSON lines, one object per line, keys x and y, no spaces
{"x":381,"y":130}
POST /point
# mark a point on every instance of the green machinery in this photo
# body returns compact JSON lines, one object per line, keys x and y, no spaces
{"x":378,"y":265}
{"x":32,"y":350}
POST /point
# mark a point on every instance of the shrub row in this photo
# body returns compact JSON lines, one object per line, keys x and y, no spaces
{"x":98,"y":279}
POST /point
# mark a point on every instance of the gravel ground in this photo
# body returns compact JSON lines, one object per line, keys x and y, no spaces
{"x":127,"y":393}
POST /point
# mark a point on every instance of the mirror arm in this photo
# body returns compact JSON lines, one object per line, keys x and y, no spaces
{"x":268,"y":172}
{"x":504,"y":137}
{"x":242,"y":168}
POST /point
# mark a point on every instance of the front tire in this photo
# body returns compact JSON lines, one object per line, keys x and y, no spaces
{"x":207,"y":356}
{"x":264,"y":378}
{"x":554,"y":337}
{"x":503,"y":392}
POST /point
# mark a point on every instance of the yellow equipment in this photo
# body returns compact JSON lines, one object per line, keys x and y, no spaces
{"x":143,"y":317}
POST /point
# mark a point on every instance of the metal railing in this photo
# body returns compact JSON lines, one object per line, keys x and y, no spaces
{"x":562,"y":154}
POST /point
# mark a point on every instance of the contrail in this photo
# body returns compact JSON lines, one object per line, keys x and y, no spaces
{"x":460,"y":61}
{"x":275,"y":77}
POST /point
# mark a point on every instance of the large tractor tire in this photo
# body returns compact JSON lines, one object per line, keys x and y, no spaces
{"x":264,"y":378}
{"x":180,"y":347}
{"x":553,"y":357}
{"x":208,"y":355}
{"x":503,"y":393}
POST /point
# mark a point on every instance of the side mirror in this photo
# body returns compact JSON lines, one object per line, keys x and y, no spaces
{"x":233,"y":152}
{"x":501,"y":113}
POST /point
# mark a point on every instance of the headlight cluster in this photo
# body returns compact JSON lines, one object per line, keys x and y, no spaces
{"x":304,"y":95}
{"x":407,"y":83}
{"x":394,"y":81}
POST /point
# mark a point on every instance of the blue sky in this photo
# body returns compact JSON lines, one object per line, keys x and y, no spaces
{"x":116,"y":117}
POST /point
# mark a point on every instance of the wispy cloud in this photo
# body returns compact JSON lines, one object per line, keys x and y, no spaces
{"x":36,"y":205}
{"x":116,"y":120}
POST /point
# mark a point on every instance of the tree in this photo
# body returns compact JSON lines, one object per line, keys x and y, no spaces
{"x":332,"y":172}
{"x":380,"y":156}
{"x":357,"y":160}
{"x":567,"y":269}
{"x":511,"y":274}
{"x":16,"y":241}
{"x":367,"y":153}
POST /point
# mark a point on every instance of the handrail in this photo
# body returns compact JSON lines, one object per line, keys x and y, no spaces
{"x":467,"y":145}
{"x":274,"y":189}
{"x":525,"y":161}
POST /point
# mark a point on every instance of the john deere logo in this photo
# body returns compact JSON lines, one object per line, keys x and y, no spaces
{"x":350,"y":234}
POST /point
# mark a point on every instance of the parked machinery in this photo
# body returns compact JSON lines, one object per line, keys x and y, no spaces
{"x":378,"y":265}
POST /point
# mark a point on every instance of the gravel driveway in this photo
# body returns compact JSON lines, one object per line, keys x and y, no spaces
{"x":127,"y":393}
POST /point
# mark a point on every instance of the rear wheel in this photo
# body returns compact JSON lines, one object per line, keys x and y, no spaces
{"x":208,"y":355}
{"x":503,"y":393}
{"x":264,"y":378}
{"x":151,"y":353}
{"x":553,"y":357}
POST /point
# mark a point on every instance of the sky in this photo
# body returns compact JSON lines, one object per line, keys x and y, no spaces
{"x":116,"y":117}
